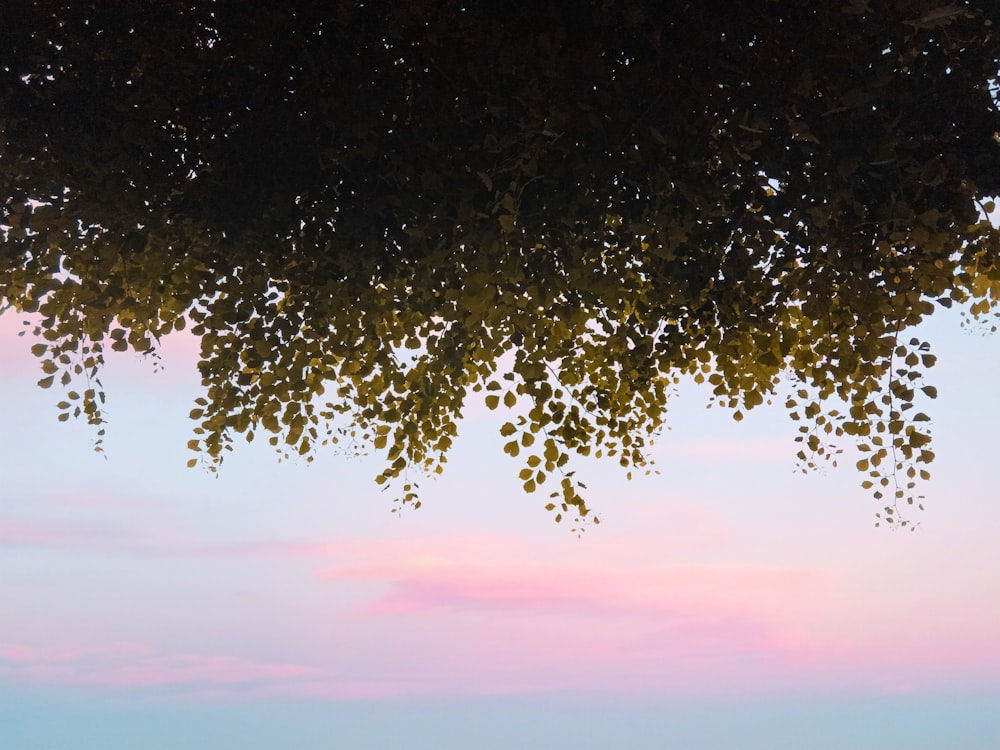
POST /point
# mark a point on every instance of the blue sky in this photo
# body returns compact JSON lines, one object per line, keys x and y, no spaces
{"x":588,"y":722}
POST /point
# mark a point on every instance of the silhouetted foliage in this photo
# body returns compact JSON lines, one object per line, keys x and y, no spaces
{"x":361,"y":207}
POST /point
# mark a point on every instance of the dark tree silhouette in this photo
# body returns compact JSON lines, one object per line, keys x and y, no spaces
{"x":361,"y":207}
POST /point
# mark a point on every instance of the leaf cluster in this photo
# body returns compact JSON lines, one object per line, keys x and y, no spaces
{"x":369,"y":211}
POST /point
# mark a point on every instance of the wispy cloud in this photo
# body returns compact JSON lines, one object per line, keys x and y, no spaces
{"x":428,"y":583}
{"x":128,"y":666}
{"x":496,"y":613}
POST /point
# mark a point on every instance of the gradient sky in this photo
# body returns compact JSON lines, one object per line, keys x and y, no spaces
{"x":730,"y":602}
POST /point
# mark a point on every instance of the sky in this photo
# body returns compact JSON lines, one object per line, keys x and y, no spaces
{"x":728,"y":602}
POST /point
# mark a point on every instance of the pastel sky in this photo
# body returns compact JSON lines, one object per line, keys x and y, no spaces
{"x":730,"y":602}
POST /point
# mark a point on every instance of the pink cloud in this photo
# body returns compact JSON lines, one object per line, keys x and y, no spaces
{"x":133,"y":666}
{"x":493,"y":613}
{"x":684,"y":627}
{"x":125,"y":665}
{"x":456,"y":614}
{"x":12,"y":652}
{"x":653,"y":628}
{"x":427,"y":583}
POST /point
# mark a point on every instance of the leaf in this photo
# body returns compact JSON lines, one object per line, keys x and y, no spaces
{"x":551,"y":452}
{"x":492,"y":401}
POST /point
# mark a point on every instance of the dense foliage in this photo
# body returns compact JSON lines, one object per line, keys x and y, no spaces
{"x":367,"y":210}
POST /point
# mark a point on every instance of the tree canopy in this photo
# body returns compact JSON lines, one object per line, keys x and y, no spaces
{"x":369,"y":210}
